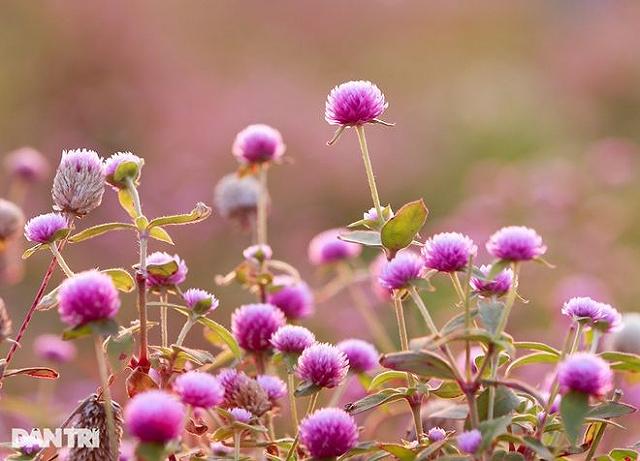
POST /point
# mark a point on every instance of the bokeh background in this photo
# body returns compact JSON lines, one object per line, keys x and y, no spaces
{"x":506,"y":112}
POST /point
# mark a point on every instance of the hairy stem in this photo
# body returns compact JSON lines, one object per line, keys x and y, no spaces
{"x":185,"y":329}
{"x":369,"y":170}
{"x":236,"y":445}
{"x":106,"y":393}
{"x":61,"y":262}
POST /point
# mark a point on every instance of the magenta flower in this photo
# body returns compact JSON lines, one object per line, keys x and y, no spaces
{"x":516,"y":243}
{"x":328,"y":433}
{"x":448,"y":251}
{"x":273,"y":386}
{"x":200,"y":300}
{"x":610,"y":319}
{"x":54,"y":349}
{"x":240,"y":415}
{"x":469,"y":441}
{"x":436,"y":434}
{"x":45,"y":228}
{"x":327,"y":248}
{"x":86,"y":297}
{"x":258,"y":144}
{"x":117,"y":159}
{"x":362,"y":356}
{"x":292,"y":339}
{"x":257,"y":254}
{"x":254,"y":324}
{"x":291,"y":296}
{"x":354,"y":103}
{"x":27,"y":164}
{"x":401,"y":271}
{"x":583,"y":308}
{"x":498,"y":286}
{"x":160,"y":258}
{"x":585,"y":372}
{"x":200,"y":390}
{"x":323,"y":365}
{"x":375,"y":269}
{"x":78,"y":185}
{"x":155,"y":417}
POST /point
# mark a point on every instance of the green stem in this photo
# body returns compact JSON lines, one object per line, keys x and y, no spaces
{"x":185,"y":329}
{"x":312,"y":404}
{"x":291,"y":388}
{"x":369,"y":170}
{"x":164,"y":310}
{"x":106,"y":393}
{"x":61,"y":262}
{"x":236,"y":445}
{"x":261,"y":224}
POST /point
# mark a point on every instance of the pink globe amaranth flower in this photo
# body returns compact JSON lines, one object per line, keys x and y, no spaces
{"x":585,"y":372}
{"x":292,"y":339}
{"x":254,"y":324}
{"x":583,"y":308}
{"x":78,"y":185}
{"x":160,"y":258}
{"x":11,"y":220}
{"x":54,"y":349}
{"x":200,"y":300}
{"x":469,"y":441}
{"x":117,"y":159}
{"x":516,"y":243}
{"x":273,"y":386}
{"x":27,"y":164}
{"x":236,"y":197}
{"x":362,"y":356}
{"x":45,"y":228}
{"x":448,"y":252}
{"x":354,"y":103}
{"x":375,"y":269}
{"x":257,"y":254}
{"x":200,"y":390}
{"x":291,"y":296}
{"x":155,"y":417}
{"x":401,"y":271}
{"x":328,"y":433}
{"x":86,"y":297}
{"x":610,"y":319}
{"x":498,"y":286}
{"x":323,"y":365}
{"x":326,"y":248}
{"x":436,"y":434}
{"x":258,"y":144}
{"x":240,"y":415}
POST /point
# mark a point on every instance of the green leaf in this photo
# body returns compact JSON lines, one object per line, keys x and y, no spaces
{"x":199,"y":213}
{"x":307,"y":388}
{"x":505,"y":402}
{"x":30,"y":251}
{"x":456,"y":322}
{"x":623,"y":454}
{"x":536,"y":357}
{"x":33,"y":372}
{"x":197,"y":356}
{"x":126,"y":202}
{"x":491,"y":313}
{"x":224,"y":334}
{"x":533,"y":346}
{"x":100,"y":229}
{"x":493,"y":428}
{"x":622,"y":361}
{"x":99,"y":327}
{"x":385,"y":377}
{"x":398,"y":451}
{"x":158,"y":233}
{"x":163,"y":270}
{"x":151,"y":452}
{"x":447,"y":390}
{"x":502,"y":455}
{"x":430,"y":450}
{"x":400,"y":230}
{"x":375,"y":400}
{"x":611,"y":410}
{"x":366,"y":238}
{"x":541,"y":450}
{"x":574,"y":408}
{"x":122,"y":280}
{"x":422,"y":363}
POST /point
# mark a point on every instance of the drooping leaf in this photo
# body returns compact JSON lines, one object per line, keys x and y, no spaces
{"x":536,"y":357}
{"x":375,"y":400}
{"x":541,"y":450}
{"x":447,"y":390}
{"x":224,"y":334}
{"x":199,"y":213}
{"x":400,"y":230}
{"x":122,"y":280}
{"x":104,"y":328}
{"x":422,"y":363}
{"x":385,"y":377}
{"x":366,"y":238}
{"x":98,"y":230}
{"x":574,"y":408}
{"x":33,"y":372}
{"x":197,"y":356}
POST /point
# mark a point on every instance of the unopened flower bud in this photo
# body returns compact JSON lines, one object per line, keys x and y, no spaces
{"x":11,"y":220}
{"x":79,"y":182}
{"x":236,"y":197}
{"x":122,"y":167}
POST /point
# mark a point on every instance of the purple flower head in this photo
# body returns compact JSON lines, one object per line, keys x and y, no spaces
{"x":327,"y":248}
{"x":258,"y":144}
{"x":133,"y":172}
{"x":516,"y":243}
{"x":583,"y":308}
{"x":240,"y":415}
{"x":328,"y":433}
{"x":469,"y":441}
{"x":293,"y":297}
{"x":436,"y":434}
{"x":229,"y":378}
{"x":292,"y":339}
{"x":155,"y":417}
{"x":448,"y":251}
{"x":78,"y":185}
{"x":54,"y":349}
{"x":354,"y":103}
{"x":254,"y":324}
{"x":585,"y":372}
{"x":157,"y":280}
{"x":362,"y":356}
{"x":323,"y":365}
{"x":27,"y":164}
{"x":86,"y":297}
{"x":610,"y":319}
{"x":200,"y":300}
{"x":45,"y":228}
{"x":401,"y":271}
{"x":375,"y":269}
{"x":499,"y":286}
{"x":274,"y":387}
{"x":257,"y":253}
{"x":200,"y":390}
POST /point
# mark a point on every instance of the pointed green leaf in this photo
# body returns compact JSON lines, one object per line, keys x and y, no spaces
{"x":126,"y":202}
{"x":163,"y":270}
{"x":98,"y":230}
{"x":224,"y":334}
{"x":505,"y":402}
{"x":199,"y":213}
{"x":375,"y":400}
{"x":385,"y":377}
{"x":30,"y":251}
{"x":122,"y":280}
{"x":574,"y":408}
{"x":366,"y":238}
{"x":536,"y":357}
{"x":307,"y":388}
{"x":421,"y":363}
{"x":158,"y":233}
{"x":533,"y":346}
{"x":400,"y":230}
